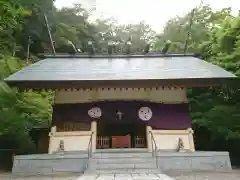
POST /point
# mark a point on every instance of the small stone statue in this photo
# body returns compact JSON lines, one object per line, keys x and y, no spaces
{"x":61,"y":146}
{"x":53,"y":131}
{"x":180,"y":145}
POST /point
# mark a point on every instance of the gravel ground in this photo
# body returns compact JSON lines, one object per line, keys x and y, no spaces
{"x":8,"y":176}
{"x":234,"y":175}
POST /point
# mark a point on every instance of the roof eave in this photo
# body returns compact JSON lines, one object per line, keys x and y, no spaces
{"x":143,"y":83}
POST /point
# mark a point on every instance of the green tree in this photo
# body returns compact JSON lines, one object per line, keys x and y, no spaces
{"x":19,"y":112}
{"x":10,"y":22}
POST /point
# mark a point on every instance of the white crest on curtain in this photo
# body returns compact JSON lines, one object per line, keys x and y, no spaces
{"x":145,"y":113}
{"x":95,"y":112}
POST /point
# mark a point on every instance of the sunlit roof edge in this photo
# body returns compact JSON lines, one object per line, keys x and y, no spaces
{"x":85,"y":55}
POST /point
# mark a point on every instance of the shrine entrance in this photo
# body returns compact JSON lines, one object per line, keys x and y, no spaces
{"x":121,"y":135}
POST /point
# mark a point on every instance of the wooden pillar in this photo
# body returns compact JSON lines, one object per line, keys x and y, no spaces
{"x":149,"y":138}
{"x":51,"y":134}
{"x":94,"y":138}
{"x":191,"y":141}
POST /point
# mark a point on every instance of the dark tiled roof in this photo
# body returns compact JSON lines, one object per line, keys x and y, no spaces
{"x":118,"y":69}
{"x":43,"y":125}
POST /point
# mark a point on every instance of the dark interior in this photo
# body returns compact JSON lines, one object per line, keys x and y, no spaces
{"x":122,"y":129}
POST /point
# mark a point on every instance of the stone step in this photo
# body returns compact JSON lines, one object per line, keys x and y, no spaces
{"x":125,"y":176}
{"x":121,"y":155}
{"x":90,"y":176}
{"x":123,"y":166}
{"x":124,"y":171}
{"x":122,"y":160}
{"x":124,"y":150}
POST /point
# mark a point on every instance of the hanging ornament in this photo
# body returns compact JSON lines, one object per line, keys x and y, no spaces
{"x":119,"y":115}
{"x":145,"y":113}
{"x":95,"y":112}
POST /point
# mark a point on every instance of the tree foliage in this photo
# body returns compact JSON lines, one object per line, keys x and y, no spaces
{"x":11,"y":14}
{"x":19,"y":112}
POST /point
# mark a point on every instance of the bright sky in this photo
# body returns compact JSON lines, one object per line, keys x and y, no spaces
{"x":154,"y":12}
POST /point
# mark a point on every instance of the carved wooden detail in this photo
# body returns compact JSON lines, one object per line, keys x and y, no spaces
{"x":74,"y":126}
{"x":155,"y":94}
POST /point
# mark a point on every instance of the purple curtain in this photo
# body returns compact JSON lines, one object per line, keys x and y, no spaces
{"x":165,"y":116}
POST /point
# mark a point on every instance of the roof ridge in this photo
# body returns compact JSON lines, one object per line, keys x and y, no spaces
{"x":150,"y":55}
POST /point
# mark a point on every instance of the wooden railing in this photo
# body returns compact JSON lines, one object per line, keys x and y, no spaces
{"x":103,"y":142}
{"x":154,"y":148}
{"x":139,"y":142}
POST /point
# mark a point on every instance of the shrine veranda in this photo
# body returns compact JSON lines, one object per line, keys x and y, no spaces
{"x":119,"y":104}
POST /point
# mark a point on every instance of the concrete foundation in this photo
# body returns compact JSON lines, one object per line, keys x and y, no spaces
{"x":45,"y":164}
{"x":199,"y":160}
{"x":75,"y":162}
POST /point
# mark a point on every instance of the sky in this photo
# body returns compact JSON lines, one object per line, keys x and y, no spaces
{"x":154,"y":12}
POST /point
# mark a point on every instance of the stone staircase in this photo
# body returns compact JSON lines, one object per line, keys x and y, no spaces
{"x":123,"y":161}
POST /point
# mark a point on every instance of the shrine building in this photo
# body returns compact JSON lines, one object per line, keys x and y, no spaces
{"x":120,"y":101}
